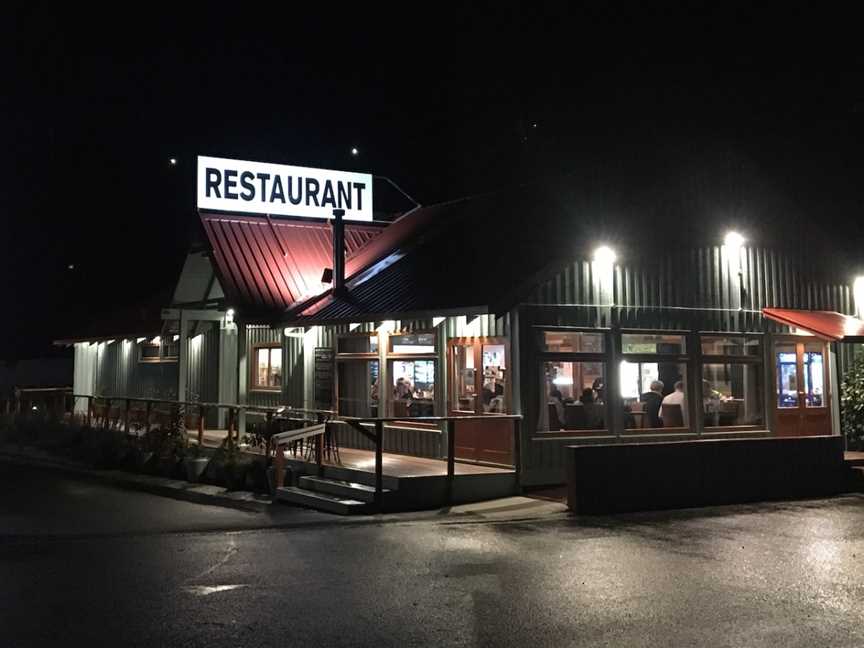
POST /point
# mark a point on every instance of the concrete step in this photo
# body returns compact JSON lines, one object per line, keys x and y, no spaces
{"x":339,"y":488}
{"x":320,"y":501}
{"x":854,"y":461}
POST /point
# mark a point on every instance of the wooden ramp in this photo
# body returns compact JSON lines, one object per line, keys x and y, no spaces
{"x":410,"y":483}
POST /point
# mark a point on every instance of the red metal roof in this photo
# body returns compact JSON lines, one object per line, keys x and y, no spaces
{"x":828,"y":325}
{"x":271,"y":265}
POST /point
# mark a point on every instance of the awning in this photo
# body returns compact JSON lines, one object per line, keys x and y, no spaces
{"x":828,"y":325}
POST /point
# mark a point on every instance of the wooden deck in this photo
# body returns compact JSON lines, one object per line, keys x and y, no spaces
{"x":395,"y":465}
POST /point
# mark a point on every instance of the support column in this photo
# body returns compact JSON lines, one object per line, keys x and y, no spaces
{"x":182,"y":357}
{"x":228,"y":371}
{"x":242,"y":377}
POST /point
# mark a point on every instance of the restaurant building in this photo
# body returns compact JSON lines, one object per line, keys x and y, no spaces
{"x":562,"y":303}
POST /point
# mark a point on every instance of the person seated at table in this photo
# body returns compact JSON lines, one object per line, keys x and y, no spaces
{"x":556,"y":398}
{"x":587,"y":397}
{"x":678,"y":397}
{"x":599,"y":388}
{"x":653,"y":399}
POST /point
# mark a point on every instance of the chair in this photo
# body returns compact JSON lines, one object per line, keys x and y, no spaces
{"x":554,"y":421}
{"x":672,"y":415}
{"x":575,"y":417}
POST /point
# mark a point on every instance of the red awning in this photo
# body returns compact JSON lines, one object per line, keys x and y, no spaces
{"x":828,"y":325}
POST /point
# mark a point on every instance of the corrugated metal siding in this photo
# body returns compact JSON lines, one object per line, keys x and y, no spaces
{"x":118,"y":373}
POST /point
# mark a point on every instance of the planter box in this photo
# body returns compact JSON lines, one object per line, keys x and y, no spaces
{"x":625,"y":477}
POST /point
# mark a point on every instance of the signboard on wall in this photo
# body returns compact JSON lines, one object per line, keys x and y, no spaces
{"x":280,"y":189}
{"x":324,"y":377}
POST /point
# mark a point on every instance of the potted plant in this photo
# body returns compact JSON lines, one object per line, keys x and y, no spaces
{"x":195,"y":463}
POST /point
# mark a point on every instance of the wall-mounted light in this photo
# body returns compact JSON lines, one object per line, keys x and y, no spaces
{"x":354,"y":326}
{"x":437,"y":320}
{"x":603,"y":268}
{"x":733,"y":243}
{"x":139,"y":340}
{"x":175,"y":338}
{"x":858,"y":295}
{"x":156,"y":340}
{"x":229,"y":316}
{"x":604,"y":255}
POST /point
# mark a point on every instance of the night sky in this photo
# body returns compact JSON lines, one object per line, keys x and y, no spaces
{"x":446,"y":101}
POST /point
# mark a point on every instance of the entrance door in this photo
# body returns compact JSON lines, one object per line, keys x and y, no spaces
{"x":479,"y":384}
{"x":802,"y":399}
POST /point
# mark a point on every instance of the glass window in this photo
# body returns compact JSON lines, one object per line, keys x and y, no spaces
{"x":573,"y":396}
{"x":413,"y":384}
{"x":494,"y":378}
{"x":358,"y":388}
{"x":358,"y":344}
{"x":464,"y":396}
{"x":654,"y":395}
{"x":731,"y":345}
{"x":572,"y":342}
{"x":814,"y":376}
{"x":652,"y":343}
{"x":732,"y":394}
{"x":267,"y":373}
{"x":787,"y":376}
{"x":413,"y":343}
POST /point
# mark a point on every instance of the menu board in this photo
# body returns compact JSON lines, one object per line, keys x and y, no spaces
{"x":324,"y":372}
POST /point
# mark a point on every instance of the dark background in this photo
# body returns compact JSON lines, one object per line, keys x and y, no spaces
{"x":742,"y":107}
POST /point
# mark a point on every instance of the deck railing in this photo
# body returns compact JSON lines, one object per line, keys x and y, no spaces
{"x":95,"y":410}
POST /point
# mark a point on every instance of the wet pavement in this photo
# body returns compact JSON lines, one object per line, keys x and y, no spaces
{"x":83,"y":564}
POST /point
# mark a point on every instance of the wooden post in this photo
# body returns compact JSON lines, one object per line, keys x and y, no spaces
{"x":126,"y":417}
{"x":230,"y":426}
{"x":89,"y":410}
{"x":201,"y":414}
{"x":147,"y":411}
{"x":517,"y":452}
{"x":279,"y":466}
{"x":319,"y":454}
{"x":451,"y":458}
{"x":379,"y":465}
{"x":268,"y":432}
{"x":107,"y":413}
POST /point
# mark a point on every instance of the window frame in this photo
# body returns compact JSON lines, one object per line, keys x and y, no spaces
{"x":726,"y":359}
{"x":542,"y":356}
{"x":254,"y":385}
{"x":162,"y":358}
{"x":479,"y":342}
{"x":688,"y":359}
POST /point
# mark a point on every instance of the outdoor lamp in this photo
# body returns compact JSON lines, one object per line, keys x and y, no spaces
{"x":858,"y":295}
{"x":604,"y":256}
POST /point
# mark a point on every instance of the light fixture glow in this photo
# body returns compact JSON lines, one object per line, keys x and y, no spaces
{"x":604,"y":256}
{"x":139,"y":340}
{"x":229,"y":316}
{"x":437,"y":320}
{"x":156,"y":340}
{"x":354,"y":326}
{"x":858,"y":295}
{"x":733,"y":241}
{"x":175,"y":338}
{"x":173,"y":161}
{"x":354,"y":151}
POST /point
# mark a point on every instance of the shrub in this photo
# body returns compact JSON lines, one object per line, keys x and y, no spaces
{"x":852,"y":405}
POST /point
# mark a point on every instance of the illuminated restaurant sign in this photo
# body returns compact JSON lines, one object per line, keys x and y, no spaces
{"x":279,"y":189}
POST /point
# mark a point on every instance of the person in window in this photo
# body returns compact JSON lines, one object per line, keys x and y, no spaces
{"x":677,"y":397}
{"x":599,"y":390}
{"x":653,"y":399}
{"x":587,"y":397}
{"x":403,"y":390}
{"x":556,"y":398}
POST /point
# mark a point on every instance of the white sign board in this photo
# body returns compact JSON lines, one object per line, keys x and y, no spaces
{"x":279,"y":189}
